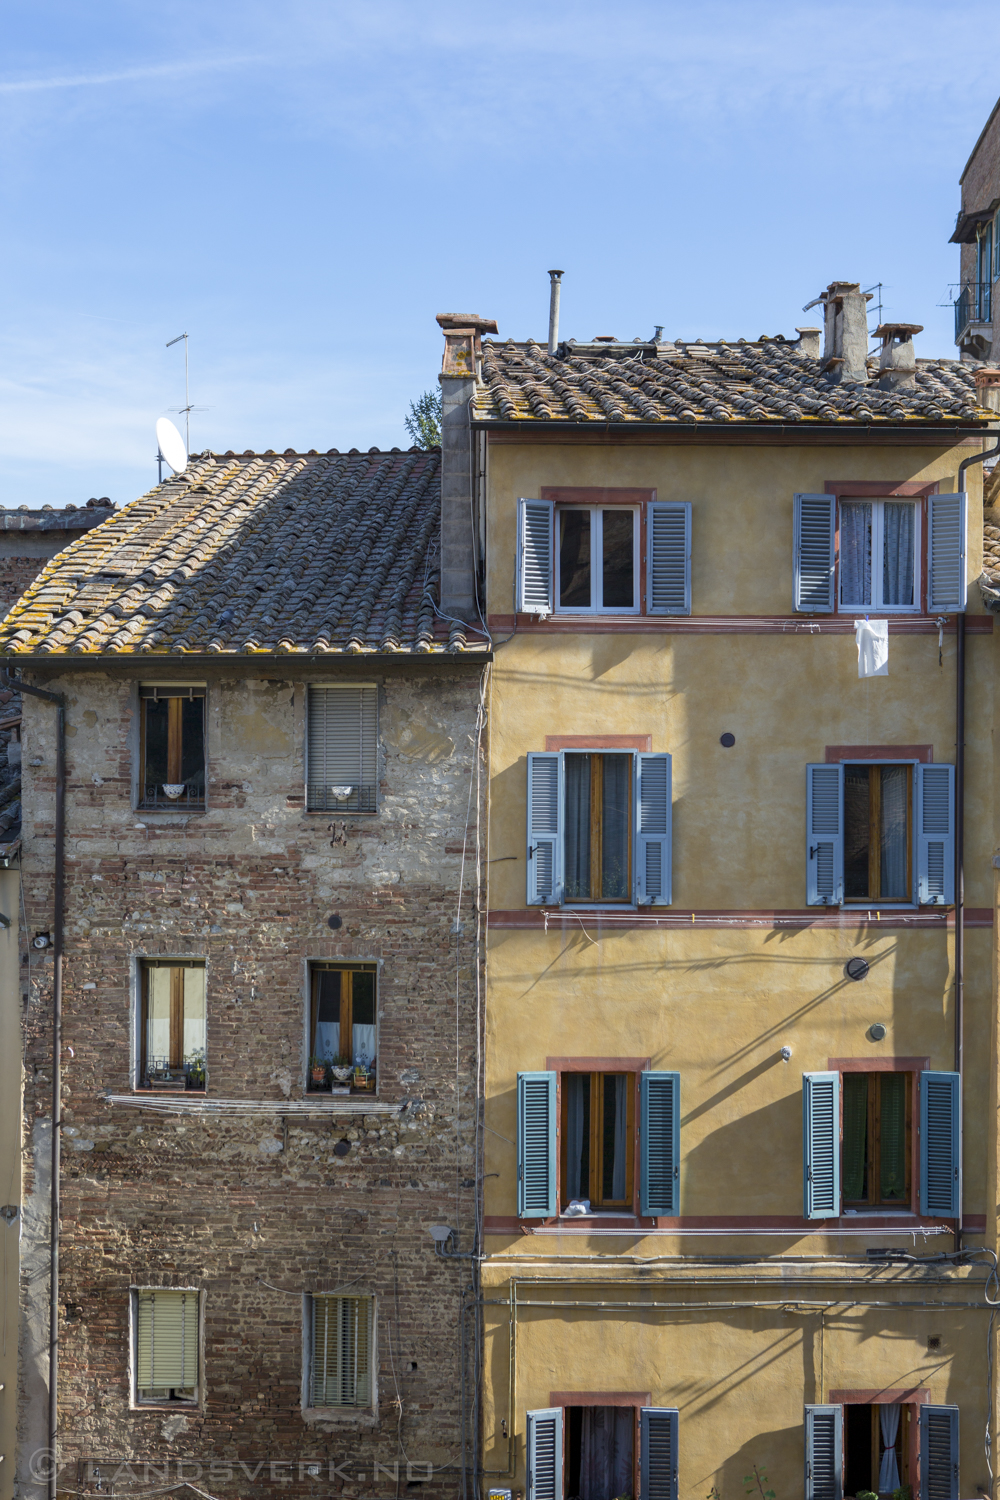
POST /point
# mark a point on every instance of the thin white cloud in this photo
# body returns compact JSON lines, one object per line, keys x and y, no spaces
{"x":180,"y":69}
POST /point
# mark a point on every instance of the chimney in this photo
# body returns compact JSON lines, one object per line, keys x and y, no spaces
{"x":897,"y":364}
{"x":808,"y":342}
{"x":460,"y":369}
{"x":555,"y":277}
{"x":987,"y":379}
{"x":845,"y":346}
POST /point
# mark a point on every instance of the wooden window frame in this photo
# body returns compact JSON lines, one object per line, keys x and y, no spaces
{"x":874,"y":1141}
{"x":347,"y":969}
{"x":146,"y":965}
{"x":597,"y":832}
{"x":174,"y":699}
{"x":914,"y":1066}
{"x":597,"y":1200}
{"x":875,"y":834}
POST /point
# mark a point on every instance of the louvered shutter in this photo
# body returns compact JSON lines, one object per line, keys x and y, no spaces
{"x":166,"y":1340}
{"x":935,"y":819}
{"x":824,"y":835}
{"x":660,"y":1143}
{"x":545,"y":1454}
{"x":821,"y":1145}
{"x":341,"y":1352}
{"x":812,"y":549}
{"x":653,"y":819}
{"x":668,"y":557}
{"x":658,"y":1435}
{"x":342,"y":749}
{"x":536,"y":1145}
{"x":535,"y":556}
{"x":938,"y":1452}
{"x":947,"y":526}
{"x":941,"y":1145}
{"x":824,"y":1452}
{"x":545,"y":839}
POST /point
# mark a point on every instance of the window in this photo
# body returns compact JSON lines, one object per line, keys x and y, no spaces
{"x":342,"y":1027}
{"x":879,"y":554}
{"x":598,"y":559}
{"x":340,"y":1340}
{"x":595,"y":1446}
{"x":598,"y":827}
{"x":171,"y":747}
{"x":853,"y":1448}
{"x":875,"y":1150}
{"x":598,"y":1135}
{"x":172,"y":1024}
{"x":342,"y":749}
{"x":167,"y":1336}
{"x":877,"y":833}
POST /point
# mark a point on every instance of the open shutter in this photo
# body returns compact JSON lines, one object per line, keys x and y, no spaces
{"x":535,"y":556}
{"x":668,"y":554}
{"x":536,"y":1145}
{"x":658,"y":1433}
{"x":824,"y":1452}
{"x":947,"y":525}
{"x":935,"y":819}
{"x":821,"y":1144}
{"x":545,"y":804}
{"x":938,"y":1452}
{"x":660,"y":1143}
{"x":653,"y":817}
{"x":940,"y":1145}
{"x":545,"y":1454}
{"x":824,"y":835}
{"x":812,"y":560}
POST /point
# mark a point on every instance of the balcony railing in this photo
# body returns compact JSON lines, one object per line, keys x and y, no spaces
{"x":974,"y":304}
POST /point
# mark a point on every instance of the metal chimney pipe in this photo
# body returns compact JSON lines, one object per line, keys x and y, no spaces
{"x":555,"y":277}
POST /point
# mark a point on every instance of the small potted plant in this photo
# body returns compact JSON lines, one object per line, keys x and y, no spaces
{"x":341,"y":1069}
{"x":195,"y":1068}
{"x":317,"y":1072}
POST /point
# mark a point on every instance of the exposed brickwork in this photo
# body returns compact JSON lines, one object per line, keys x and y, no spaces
{"x":15,"y":575}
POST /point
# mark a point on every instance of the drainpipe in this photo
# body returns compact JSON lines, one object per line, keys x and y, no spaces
{"x":555,"y":278}
{"x":59,"y":700}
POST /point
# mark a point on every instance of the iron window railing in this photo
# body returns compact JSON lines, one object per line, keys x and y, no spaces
{"x":974,"y":304}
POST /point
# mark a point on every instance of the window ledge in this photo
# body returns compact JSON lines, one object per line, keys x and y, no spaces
{"x":165,"y":1405}
{"x":340,"y":1416}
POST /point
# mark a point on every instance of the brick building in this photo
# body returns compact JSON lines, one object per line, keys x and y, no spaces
{"x":977,"y":231}
{"x":270,"y":1068}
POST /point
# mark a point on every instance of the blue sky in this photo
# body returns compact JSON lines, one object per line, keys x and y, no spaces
{"x":301,"y":187}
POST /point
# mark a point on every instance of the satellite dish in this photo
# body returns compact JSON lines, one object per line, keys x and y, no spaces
{"x":171,"y":444}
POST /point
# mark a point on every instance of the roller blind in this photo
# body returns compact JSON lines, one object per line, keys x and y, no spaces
{"x":342,"y":749}
{"x":166,"y":1341}
{"x":341,"y":1351}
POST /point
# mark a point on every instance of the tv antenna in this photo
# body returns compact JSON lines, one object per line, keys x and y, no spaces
{"x":187,"y":408}
{"x":170,"y":449}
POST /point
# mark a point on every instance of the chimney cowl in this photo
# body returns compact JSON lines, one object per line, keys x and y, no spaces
{"x":897,"y":363}
{"x":808,"y":342}
{"x":463,"y":345}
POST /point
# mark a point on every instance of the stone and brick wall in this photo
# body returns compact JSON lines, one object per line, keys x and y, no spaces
{"x":15,"y":575}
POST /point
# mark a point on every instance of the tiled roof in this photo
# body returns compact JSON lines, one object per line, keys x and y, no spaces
{"x":768,"y":380}
{"x":296,"y":553}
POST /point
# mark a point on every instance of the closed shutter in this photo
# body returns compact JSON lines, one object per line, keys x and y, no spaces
{"x":935,"y":819}
{"x":545,"y":842}
{"x":668,"y":554}
{"x":812,"y":562}
{"x":341,"y":1351}
{"x":940,"y":1144}
{"x":166,"y":1341}
{"x":821,"y":1144}
{"x":545,"y":1454}
{"x":658,"y":1433}
{"x":947,"y":524}
{"x":536,"y":1145}
{"x":938,"y":1452}
{"x":535,"y":556}
{"x":653,"y":813}
{"x":824,"y":835}
{"x":342,"y":749}
{"x":660,"y":1143}
{"x":824,"y":1452}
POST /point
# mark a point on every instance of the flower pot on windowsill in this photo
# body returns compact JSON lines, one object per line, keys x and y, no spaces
{"x":317,"y":1078}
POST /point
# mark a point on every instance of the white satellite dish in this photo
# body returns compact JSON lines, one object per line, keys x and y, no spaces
{"x":171,"y":444}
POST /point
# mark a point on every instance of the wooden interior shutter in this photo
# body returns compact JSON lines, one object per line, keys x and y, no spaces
{"x":535,"y":556}
{"x":824,"y":835}
{"x":653,"y":820}
{"x":813,"y":553}
{"x":821,"y":1145}
{"x":668,"y":557}
{"x":938,"y":1452}
{"x":659,"y":1143}
{"x":658,"y":1443}
{"x":935,"y":841}
{"x":166,"y":1340}
{"x":824,"y":1452}
{"x":947,"y":527}
{"x":342,"y":749}
{"x":940,"y":1145}
{"x":536,"y":1145}
{"x":545,"y":837}
{"x":545,"y":1454}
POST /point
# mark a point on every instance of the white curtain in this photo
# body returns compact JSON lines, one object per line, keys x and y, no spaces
{"x":894,"y":824}
{"x":621,"y":1116}
{"x":364,"y":1044}
{"x":327,"y":1044}
{"x":606,"y":1441}
{"x":888,"y":1474}
{"x":856,"y":553}
{"x":573,"y":1083}
{"x":897,"y":553}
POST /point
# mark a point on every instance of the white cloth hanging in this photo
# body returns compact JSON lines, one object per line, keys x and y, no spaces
{"x":873,"y":647}
{"x":888,"y":1474}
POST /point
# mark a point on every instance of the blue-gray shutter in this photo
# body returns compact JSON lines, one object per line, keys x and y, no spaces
{"x":824,"y":1452}
{"x":658,"y":1434}
{"x":660,"y":1144}
{"x":535,"y":556}
{"x":812,"y":553}
{"x":938,"y":1452}
{"x":821,"y":1145}
{"x":941,"y":1145}
{"x":668,"y":557}
{"x":536,"y":1145}
{"x":947,"y":528}
{"x":653,"y":829}
{"x":545,"y":1454}
{"x":935,"y":819}
{"x":545,"y":839}
{"x":824,"y":835}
